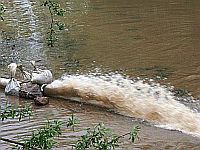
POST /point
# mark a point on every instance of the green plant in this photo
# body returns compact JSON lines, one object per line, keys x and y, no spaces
{"x":43,"y":138}
{"x":54,"y":10}
{"x":103,"y":138}
{"x":10,"y":112}
{"x":134,"y":133}
{"x":72,"y":122}
{"x":2,"y":10}
{"x":99,"y":137}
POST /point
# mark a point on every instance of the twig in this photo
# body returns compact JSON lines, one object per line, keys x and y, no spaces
{"x":11,"y":141}
{"x":15,"y":142}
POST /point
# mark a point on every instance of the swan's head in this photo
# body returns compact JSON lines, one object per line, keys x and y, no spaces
{"x":12,"y":68}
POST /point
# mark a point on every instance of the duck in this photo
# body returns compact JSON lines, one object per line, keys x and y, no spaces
{"x":13,"y":86}
{"x":39,"y":76}
{"x":25,"y":74}
{"x":28,"y":89}
{"x":12,"y":69}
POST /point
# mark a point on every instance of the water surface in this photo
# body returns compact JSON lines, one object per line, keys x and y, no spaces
{"x":151,"y":39}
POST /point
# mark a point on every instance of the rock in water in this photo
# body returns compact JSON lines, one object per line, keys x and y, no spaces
{"x":41,"y":101}
{"x":29,"y":91}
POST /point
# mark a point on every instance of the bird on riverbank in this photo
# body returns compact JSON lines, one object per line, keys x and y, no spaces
{"x":13,"y":86}
{"x":37,"y":76}
{"x":12,"y":69}
{"x":25,"y":74}
{"x":40,"y":76}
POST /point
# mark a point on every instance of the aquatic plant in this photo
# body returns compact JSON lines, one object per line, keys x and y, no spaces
{"x":98,"y":137}
{"x":72,"y":122}
{"x":103,"y":138}
{"x":10,"y":112}
{"x":134,"y":133}
{"x":43,"y":138}
{"x":54,"y":10}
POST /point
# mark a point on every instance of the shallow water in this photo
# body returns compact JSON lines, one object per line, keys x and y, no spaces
{"x":154,"y":39}
{"x":150,"y":137}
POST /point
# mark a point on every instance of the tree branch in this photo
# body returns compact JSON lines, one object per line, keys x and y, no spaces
{"x":15,"y":142}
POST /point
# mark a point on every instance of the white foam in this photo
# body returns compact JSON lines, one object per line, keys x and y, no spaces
{"x":152,"y":102}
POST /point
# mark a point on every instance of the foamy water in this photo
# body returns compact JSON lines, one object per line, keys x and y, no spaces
{"x":152,"y":102}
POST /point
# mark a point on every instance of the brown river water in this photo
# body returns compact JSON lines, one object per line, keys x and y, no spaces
{"x":128,"y":56}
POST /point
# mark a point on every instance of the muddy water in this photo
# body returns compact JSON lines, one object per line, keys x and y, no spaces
{"x":155,"y":39}
{"x":150,"y":137}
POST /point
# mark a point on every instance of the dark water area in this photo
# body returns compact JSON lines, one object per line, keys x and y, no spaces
{"x":140,"y":39}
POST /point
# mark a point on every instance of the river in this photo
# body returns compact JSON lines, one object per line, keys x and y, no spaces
{"x":131,"y":54}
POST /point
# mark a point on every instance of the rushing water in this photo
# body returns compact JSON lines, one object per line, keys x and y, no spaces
{"x":105,"y":47}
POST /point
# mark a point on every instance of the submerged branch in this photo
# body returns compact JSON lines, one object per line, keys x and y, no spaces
{"x":11,"y":141}
{"x":16,"y":142}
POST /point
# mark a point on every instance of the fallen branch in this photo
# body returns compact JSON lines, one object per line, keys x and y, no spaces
{"x":11,"y":141}
{"x":15,"y":142}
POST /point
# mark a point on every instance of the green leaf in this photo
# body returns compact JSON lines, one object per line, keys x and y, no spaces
{"x":54,"y":9}
{"x":134,"y":133}
{"x":60,"y":25}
